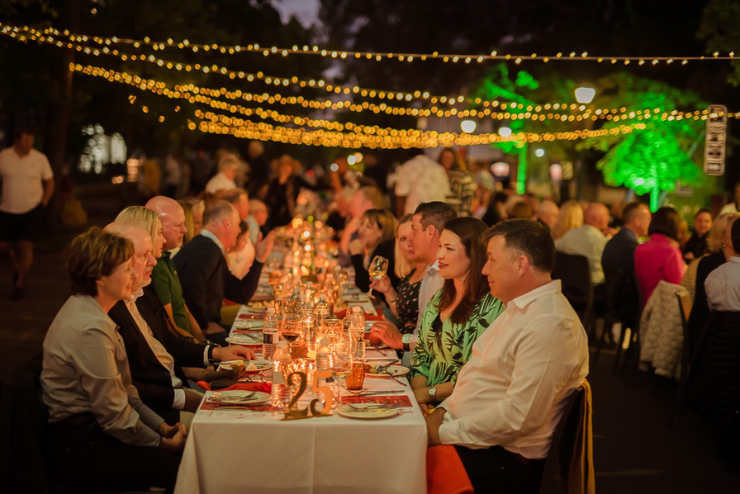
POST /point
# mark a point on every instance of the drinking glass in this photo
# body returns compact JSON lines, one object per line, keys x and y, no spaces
{"x":341,"y":366}
{"x":377,"y":269}
{"x":290,"y":328}
{"x":356,"y":377}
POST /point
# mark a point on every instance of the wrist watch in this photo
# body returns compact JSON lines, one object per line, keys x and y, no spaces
{"x":432,"y":392}
{"x":406,"y":340}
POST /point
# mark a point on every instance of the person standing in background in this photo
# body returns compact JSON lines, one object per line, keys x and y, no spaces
{"x":28,"y":184}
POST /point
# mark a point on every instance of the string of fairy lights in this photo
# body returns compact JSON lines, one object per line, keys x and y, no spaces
{"x":367,"y":55}
{"x":348,"y":134}
{"x":193,"y":94}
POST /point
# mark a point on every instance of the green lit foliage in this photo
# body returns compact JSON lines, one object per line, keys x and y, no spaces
{"x":654,"y":159}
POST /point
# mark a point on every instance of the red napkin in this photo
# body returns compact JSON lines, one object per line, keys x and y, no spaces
{"x":264,"y":387}
{"x":445,"y":472}
{"x":227,"y":302}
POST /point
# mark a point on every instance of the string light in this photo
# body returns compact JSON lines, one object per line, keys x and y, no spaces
{"x":195,"y":95}
{"x":362,"y":55}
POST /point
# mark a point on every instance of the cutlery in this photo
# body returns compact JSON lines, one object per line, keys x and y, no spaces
{"x":394,"y":378}
{"x":377,"y":349}
{"x":248,"y":397}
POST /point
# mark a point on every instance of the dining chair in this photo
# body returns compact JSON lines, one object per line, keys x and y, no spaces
{"x":575,"y":281}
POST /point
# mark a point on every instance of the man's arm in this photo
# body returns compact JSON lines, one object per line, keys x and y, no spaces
{"x":48,"y":191}
{"x":544,"y":367}
{"x":178,"y":331}
{"x":196,"y":331}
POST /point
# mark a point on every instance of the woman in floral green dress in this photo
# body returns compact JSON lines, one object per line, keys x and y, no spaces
{"x":457,"y":314}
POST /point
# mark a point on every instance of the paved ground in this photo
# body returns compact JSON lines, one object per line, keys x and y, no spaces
{"x":635,"y":451}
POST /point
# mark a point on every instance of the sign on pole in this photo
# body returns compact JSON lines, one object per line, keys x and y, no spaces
{"x":714,"y":149}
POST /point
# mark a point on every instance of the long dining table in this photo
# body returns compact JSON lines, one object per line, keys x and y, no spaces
{"x":237,"y":450}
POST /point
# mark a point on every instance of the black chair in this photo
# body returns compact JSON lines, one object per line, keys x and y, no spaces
{"x":684,"y":305}
{"x":563,"y":442}
{"x":574,"y":274}
{"x":622,"y":306}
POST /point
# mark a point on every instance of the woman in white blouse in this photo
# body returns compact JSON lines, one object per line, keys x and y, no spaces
{"x":100,"y":434}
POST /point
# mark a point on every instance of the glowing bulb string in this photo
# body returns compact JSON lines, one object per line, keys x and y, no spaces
{"x":367,"y":55}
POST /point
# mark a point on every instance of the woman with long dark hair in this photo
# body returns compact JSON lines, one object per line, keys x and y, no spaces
{"x":456,"y":315}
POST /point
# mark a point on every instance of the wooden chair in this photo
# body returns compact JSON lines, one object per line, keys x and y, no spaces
{"x":563,"y":441}
{"x":684,"y":307}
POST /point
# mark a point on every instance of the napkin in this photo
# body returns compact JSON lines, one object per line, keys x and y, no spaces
{"x":445,"y":472}
{"x":228,"y":385}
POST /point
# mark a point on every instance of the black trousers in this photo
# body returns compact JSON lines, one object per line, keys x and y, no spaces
{"x":80,"y":454}
{"x":499,"y":471}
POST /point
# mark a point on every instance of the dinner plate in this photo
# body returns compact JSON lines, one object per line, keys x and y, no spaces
{"x":245,"y":339}
{"x":246,"y":324}
{"x":238,"y":397}
{"x":395,"y":371}
{"x":251,"y":365}
{"x":371,"y":413}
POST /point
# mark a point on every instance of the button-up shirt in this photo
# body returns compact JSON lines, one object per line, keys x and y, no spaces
{"x":585,"y":241}
{"x":431,"y":283}
{"x":86,"y":370}
{"x":158,"y":349}
{"x":723,"y":286}
{"x":513,"y":389}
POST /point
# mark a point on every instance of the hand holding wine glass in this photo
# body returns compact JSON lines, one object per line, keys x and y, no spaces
{"x":377,"y":269}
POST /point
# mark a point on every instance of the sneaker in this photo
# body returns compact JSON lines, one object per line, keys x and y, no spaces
{"x":18,"y":293}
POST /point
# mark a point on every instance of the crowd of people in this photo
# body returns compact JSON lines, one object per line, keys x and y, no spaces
{"x":494,"y":347}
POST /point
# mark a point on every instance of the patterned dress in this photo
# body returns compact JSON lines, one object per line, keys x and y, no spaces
{"x":444,"y":347}
{"x":407,"y":304}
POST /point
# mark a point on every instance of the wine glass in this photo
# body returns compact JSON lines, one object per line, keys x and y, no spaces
{"x":377,"y":269}
{"x":290,"y":328}
{"x":341,"y":366}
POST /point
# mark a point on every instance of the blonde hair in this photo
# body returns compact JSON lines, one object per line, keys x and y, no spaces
{"x":570,"y":216}
{"x":718,"y":230}
{"x":187,"y":207}
{"x":404,"y":266}
{"x":142,"y":217}
{"x":372,"y":194}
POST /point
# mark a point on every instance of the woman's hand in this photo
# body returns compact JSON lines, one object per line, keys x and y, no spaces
{"x":388,"y":333}
{"x":356,"y":247}
{"x":422,"y":397}
{"x":176,"y":443}
{"x":382,"y":285}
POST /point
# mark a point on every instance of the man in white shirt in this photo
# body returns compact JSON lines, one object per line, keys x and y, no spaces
{"x":28,"y":184}
{"x":228,"y":166}
{"x":509,"y":396}
{"x":733,"y":206}
{"x":589,"y":240}
{"x":420,"y":180}
{"x":426,"y":226}
{"x":723,"y":284}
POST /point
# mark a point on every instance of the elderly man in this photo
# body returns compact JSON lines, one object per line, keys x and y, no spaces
{"x":588,"y":240}
{"x":426,"y":226}
{"x":28,"y":184}
{"x":228,"y":166}
{"x":510,"y":395}
{"x":241,"y":256}
{"x":164,"y":276}
{"x":156,"y":356}
{"x":619,"y":252}
{"x":203,"y":270}
{"x":547,"y":213}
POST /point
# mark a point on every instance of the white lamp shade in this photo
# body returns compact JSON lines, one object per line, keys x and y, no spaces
{"x":585,"y":95}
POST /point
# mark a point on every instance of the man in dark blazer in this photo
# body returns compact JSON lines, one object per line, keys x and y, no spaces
{"x":156,"y":356}
{"x":204,"y":274}
{"x":619,"y":252}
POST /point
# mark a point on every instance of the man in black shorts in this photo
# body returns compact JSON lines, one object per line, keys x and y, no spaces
{"x":28,"y":184}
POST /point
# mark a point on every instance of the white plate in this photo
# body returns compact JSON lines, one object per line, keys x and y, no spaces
{"x":248,"y":324}
{"x":251,"y":365}
{"x":370,"y":413}
{"x":245,"y":339}
{"x":395,"y":370}
{"x":236,"y":397}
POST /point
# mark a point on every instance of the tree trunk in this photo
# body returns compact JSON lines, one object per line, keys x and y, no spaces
{"x":59,"y":110}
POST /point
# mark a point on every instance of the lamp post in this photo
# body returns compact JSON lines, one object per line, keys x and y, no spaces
{"x":584,"y":95}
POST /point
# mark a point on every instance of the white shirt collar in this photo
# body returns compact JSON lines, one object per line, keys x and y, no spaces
{"x":548,"y":289}
{"x":434,"y":268}
{"x":209,"y":234}
{"x":734,"y":259}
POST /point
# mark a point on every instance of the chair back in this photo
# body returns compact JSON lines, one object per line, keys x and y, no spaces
{"x":563,"y":440}
{"x":622,"y":299}
{"x":574,"y":274}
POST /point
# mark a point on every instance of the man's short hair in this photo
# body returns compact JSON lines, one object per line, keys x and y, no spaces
{"x":21,"y":129}
{"x":435,"y":213}
{"x":526,"y":237}
{"x":95,"y":254}
{"x":631,"y":210}
{"x":232,"y":195}
{"x":702,"y":210}
{"x":217,"y":210}
{"x":735,"y":236}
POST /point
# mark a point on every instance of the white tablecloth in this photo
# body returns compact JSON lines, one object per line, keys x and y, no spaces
{"x":243,"y":451}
